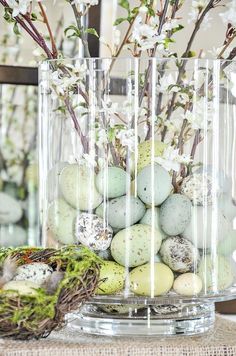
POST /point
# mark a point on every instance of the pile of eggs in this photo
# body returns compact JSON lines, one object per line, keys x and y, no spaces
{"x":151,"y":239}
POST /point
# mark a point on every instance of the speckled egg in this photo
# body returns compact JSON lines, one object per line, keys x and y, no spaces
{"x":216,"y":273}
{"x":200,"y":229}
{"x":122,"y":212}
{"x":153,"y":184}
{"x":112,"y":278}
{"x":10,"y":209}
{"x":145,"y":151}
{"x":61,"y":220}
{"x":22,"y":287}
{"x":130,"y":309}
{"x":92,"y":231}
{"x":36,"y":272}
{"x":152,"y":217}
{"x":188,"y":284}
{"x":77,"y":184}
{"x":148,"y":281}
{"x":112,"y":182}
{"x":12,"y":236}
{"x":135,"y":245}
{"x":179,"y":254}
{"x":175,"y":214}
{"x":198,"y":188}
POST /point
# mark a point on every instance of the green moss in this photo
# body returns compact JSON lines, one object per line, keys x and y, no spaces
{"x":29,"y":311}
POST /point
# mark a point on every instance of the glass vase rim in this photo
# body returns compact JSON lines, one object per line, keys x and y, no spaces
{"x":158,"y":59}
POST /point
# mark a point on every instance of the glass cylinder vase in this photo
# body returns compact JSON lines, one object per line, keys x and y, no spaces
{"x":137,"y":162}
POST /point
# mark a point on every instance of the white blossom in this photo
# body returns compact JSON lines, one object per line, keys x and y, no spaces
{"x":127,"y":138}
{"x":144,"y":35}
{"x":202,"y":112}
{"x":172,"y":160}
{"x":19,"y":6}
{"x":229,"y":16}
{"x":166,"y":81}
{"x":86,"y":2}
{"x":101,"y":138}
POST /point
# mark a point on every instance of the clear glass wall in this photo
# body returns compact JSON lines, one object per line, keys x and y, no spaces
{"x":138,"y":163}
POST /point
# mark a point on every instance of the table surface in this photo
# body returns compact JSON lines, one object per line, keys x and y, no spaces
{"x":219,"y":342}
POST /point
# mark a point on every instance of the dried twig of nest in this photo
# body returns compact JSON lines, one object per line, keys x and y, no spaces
{"x":75,"y":277}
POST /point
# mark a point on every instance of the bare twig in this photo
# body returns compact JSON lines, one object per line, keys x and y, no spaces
{"x":54,"y":47}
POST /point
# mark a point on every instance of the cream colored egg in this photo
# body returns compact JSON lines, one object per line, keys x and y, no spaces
{"x":22,"y":287}
{"x":151,"y":280}
{"x":77,"y":184}
{"x":61,"y":219}
{"x":188,"y":284}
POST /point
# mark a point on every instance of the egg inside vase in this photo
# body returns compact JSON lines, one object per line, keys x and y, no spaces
{"x":147,"y":183}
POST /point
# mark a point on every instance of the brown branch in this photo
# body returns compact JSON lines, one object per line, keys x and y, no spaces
{"x":45,"y":19}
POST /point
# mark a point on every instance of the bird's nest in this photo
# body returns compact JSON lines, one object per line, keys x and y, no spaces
{"x":35,"y":316}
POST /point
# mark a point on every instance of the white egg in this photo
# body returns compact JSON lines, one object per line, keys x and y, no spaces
{"x":188,"y":284}
{"x":26,"y":288}
{"x":35,"y":272}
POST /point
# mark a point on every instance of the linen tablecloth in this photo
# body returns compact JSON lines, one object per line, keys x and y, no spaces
{"x":219,"y":342}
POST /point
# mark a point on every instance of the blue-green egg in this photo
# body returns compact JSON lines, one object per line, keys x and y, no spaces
{"x":122,"y":212}
{"x":152,"y":218}
{"x":135,"y":245}
{"x":175,"y":214}
{"x":112,"y":182}
{"x":153,"y":184}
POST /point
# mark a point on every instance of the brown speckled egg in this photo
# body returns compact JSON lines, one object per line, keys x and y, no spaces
{"x":179,"y":254}
{"x":93,"y":232}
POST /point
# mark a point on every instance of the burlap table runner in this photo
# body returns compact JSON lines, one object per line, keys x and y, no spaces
{"x":219,"y":342}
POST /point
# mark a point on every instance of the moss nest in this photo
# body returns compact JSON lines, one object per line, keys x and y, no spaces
{"x":35,"y":316}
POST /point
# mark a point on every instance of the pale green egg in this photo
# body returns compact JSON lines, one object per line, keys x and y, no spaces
{"x":151,"y":280}
{"x":228,"y":245}
{"x":12,"y":236}
{"x":152,"y":217}
{"x":216,"y":273}
{"x":135,"y":245}
{"x":154,"y":184}
{"x":112,"y":278}
{"x":77,"y":183}
{"x":112,"y":182}
{"x":122,"y":212}
{"x":61,"y":219}
{"x":146,"y":150}
{"x":175,"y":214}
{"x":21,"y":287}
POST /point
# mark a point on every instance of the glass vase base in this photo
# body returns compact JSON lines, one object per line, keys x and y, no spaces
{"x":155,"y":320}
